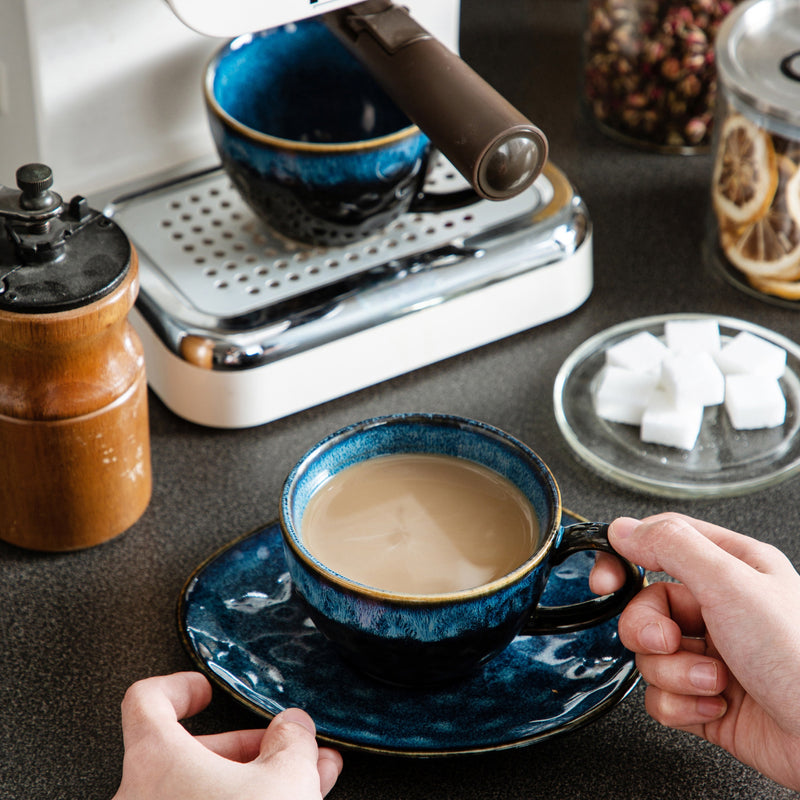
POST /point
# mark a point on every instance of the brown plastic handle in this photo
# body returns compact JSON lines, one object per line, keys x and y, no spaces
{"x":487,"y":140}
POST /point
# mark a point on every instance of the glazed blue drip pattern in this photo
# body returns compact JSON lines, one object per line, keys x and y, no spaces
{"x":329,"y":169}
{"x":414,"y":433}
{"x":244,"y":627}
{"x":300,"y":84}
{"x":453,"y":619}
{"x":263,"y":80}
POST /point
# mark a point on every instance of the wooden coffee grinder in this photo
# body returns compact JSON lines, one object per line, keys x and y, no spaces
{"x":74,"y":433}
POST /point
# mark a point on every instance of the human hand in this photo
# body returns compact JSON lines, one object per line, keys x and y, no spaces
{"x":163,"y":760}
{"x":720,"y":650}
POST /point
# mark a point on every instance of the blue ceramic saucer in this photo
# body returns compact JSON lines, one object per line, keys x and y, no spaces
{"x":244,"y":629}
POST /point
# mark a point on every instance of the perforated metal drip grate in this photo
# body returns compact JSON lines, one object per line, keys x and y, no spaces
{"x":201,"y":236}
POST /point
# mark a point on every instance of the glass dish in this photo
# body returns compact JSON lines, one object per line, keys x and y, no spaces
{"x":724,"y":462}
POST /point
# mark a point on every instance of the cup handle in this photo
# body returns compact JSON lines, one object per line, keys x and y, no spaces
{"x":577,"y":616}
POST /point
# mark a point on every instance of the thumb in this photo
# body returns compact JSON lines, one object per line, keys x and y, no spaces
{"x":291,"y":730}
{"x":289,"y":749}
{"x":704,"y":557}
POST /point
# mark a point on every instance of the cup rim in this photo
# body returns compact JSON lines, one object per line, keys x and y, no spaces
{"x":293,"y":539}
{"x":226,"y":118}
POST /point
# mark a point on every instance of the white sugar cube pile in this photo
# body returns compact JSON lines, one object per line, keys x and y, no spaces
{"x":664,"y":386}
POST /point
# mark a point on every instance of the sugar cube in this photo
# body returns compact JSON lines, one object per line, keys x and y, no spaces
{"x":693,"y":378}
{"x":673,"y":424}
{"x":692,"y":335}
{"x":747,"y":353}
{"x":641,"y":352}
{"x":663,"y":384}
{"x":622,"y":394}
{"x":754,"y":401}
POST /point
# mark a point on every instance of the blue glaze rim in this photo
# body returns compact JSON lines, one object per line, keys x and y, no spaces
{"x":247,"y":132}
{"x":523,"y":702}
{"x":545,"y":497}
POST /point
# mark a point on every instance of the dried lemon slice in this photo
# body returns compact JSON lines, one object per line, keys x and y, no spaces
{"x":745,"y":176}
{"x":769,"y":247}
{"x":789,"y":290}
{"x":793,"y":196}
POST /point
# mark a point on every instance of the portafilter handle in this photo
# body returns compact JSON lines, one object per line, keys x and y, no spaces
{"x":495,"y":147}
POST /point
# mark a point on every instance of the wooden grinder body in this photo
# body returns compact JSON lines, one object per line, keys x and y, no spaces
{"x":74,"y":433}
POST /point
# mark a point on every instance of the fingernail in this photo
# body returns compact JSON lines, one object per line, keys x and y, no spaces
{"x":623,"y":527}
{"x":652,"y":637}
{"x":299,"y":717}
{"x":703,"y":676}
{"x":711,"y":707}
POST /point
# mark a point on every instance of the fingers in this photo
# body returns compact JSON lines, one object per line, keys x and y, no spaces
{"x":607,"y":574}
{"x":245,"y":745}
{"x":154,"y":705}
{"x":684,"y":673}
{"x":657,"y":619}
{"x":329,"y":766}
{"x":686,"y":712}
{"x":664,"y":627}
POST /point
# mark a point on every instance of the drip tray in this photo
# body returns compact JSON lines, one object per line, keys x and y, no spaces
{"x":241,"y":326}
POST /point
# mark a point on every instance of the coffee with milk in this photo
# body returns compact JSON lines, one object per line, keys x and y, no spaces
{"x":420,"y":523}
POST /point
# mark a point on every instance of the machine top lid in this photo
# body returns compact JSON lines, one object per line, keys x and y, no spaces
{"x":234,"y":17}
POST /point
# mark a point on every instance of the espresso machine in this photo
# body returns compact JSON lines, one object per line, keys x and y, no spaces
{"x":241,"y":326}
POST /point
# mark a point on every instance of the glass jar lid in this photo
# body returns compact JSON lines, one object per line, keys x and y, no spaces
{"x":758,"y":62}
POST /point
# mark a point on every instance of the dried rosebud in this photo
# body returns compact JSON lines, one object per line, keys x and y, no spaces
{"x":625,"y":41}
{"x":631,"y":117}
{"x":637,"y":100}
{"x":622,"y":14}
{"x":695,"y":130}
{"x":599,"y":22}
{"x":671,"y":69}
{"x":628,"y":83}
{"x":674,"y":139}
{"x":707,"y":6}
{"x":677,"y":107}
{"x":695,"y":41}
{"x":690,"y":86}
{"x":702,"y":22}
{"x":650,"y":120}
{"x":693,"y":63}
{"x":600,"y":109}
{"x":649,"y":8}
{"x":654,"y":51}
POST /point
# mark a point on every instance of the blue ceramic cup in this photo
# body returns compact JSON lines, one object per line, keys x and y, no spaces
{"x":422,"y":639}
{"x":311,"y":141}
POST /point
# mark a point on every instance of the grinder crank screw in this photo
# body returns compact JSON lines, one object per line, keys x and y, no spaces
{"x":34,"y":181}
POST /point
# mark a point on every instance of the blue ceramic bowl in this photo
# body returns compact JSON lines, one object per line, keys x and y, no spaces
{"x":426,"y":639}
{"x":311,"y":141}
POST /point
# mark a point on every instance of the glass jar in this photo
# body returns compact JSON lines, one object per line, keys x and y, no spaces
{"x":756,"y":175}
{"x":649,"y":70}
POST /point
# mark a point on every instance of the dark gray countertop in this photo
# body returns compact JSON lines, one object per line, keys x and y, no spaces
{"x":77,"y":629}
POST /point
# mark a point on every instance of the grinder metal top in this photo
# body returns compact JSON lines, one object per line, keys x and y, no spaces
{"x":55,"y":256}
